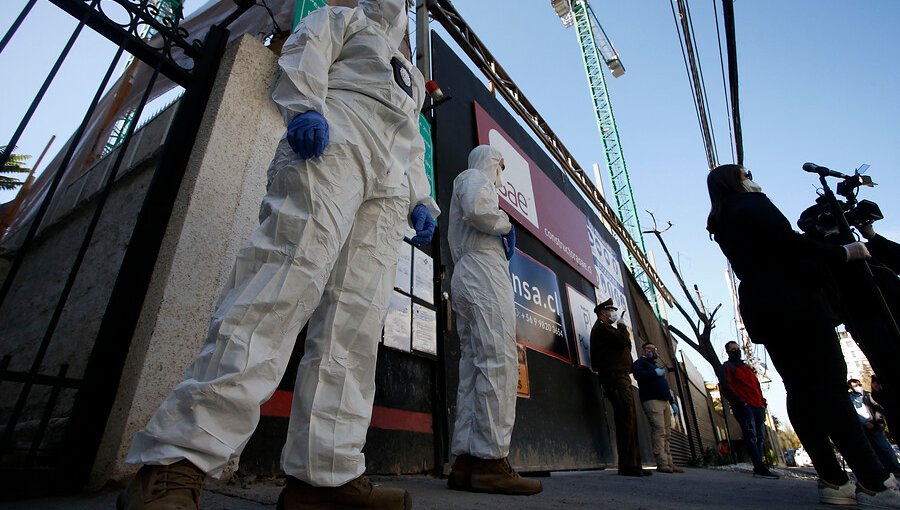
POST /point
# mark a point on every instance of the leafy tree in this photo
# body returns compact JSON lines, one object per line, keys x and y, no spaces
{"x":787,"y":436}
{"x":14,"y":165}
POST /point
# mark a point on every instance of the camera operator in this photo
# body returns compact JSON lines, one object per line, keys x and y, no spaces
{"x":857,"y":303}
{"x":785,"y":307}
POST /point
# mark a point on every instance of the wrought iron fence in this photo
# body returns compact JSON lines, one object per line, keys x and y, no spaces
{"x":40,"y":438}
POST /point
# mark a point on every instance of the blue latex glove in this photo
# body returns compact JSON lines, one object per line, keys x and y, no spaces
{"x":675,"y":410}
{"x":509,"y":242}
{"x":308,"y":134}
{"x":424,"y":225}
{"x":660,"y":371}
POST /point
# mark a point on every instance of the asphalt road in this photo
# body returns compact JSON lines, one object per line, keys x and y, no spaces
{"x":697,"y":489}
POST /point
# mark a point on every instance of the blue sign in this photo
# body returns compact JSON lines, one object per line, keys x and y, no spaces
{"x":539,"y":317}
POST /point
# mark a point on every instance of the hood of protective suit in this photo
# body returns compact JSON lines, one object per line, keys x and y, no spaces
{"x":390,"y":15}
{"x":487,"y":159}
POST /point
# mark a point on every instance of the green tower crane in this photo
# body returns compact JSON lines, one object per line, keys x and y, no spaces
{"x":597,"y":51}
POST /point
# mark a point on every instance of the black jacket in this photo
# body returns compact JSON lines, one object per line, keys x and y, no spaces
{"x":610,"y":349}
{"x":857,"y":298}
{"x":853,"y":297}
{"x":886,"y":251}
{"x":781,"y":271}
{"x":650,"y":385}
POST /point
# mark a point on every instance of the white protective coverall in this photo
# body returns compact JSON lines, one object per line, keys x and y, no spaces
{"x":325,"y":252}
{"x":482,"y":297}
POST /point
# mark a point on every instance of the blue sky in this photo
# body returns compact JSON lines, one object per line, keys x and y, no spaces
{"x":48,"y":28}
{"x":819,"y":81}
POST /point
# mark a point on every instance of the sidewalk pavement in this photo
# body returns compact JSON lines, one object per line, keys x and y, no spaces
{"x":697,"y":489}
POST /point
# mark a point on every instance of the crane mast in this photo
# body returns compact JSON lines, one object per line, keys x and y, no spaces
{"x":597,"y":52}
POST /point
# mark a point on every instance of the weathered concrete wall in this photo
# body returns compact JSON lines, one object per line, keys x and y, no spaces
{"x":216,"y":210}
{"x":36,"y":289}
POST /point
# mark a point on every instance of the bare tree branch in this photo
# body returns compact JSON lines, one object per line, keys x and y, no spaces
{"x":704,"y":323}
{"x":658,"y":233}
{"x":693,"y":343}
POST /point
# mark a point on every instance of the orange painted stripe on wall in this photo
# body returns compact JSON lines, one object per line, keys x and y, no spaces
{"x":386,"y":418}
{"x":279,"y":405}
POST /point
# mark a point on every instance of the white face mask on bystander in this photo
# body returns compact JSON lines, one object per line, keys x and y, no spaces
{"x":751,"y":186}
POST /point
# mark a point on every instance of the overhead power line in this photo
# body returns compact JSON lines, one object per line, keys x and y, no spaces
{"x":692,"y":66}
{"x":724,"y":81}
{"x":731,"y":45}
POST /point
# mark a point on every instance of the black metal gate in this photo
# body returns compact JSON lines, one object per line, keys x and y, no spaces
{"x":29,"y":460}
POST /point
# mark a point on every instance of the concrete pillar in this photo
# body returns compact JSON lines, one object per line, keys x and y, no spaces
{"x":217,"y":208}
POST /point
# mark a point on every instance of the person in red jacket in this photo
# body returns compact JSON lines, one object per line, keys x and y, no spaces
{"x":740,"y":386}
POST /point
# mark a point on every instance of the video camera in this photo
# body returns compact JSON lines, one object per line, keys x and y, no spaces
{"x":820,"y":218}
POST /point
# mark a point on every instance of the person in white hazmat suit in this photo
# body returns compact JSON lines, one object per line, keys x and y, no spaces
{"x":482,"y":240}
{"x":344,"y":181}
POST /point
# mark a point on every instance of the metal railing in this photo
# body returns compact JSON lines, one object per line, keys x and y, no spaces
{"x":27,"y":455}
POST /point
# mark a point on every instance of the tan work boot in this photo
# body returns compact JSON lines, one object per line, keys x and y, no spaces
{"x":496,"y":476}
{"x":676,"y":469}
{"x":177,"y":486}
{"x":664,"y":468}
{"x":460,"y":473}
{"x":357,"y":493}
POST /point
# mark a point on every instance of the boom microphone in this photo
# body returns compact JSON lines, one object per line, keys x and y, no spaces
{"x":821,"y":170}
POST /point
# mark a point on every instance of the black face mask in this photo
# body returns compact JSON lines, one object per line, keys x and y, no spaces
{"x":734,"y":355}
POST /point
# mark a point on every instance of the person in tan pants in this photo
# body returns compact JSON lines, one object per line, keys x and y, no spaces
{"x":658,"y":403}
